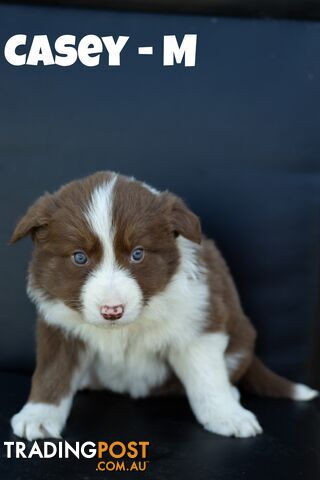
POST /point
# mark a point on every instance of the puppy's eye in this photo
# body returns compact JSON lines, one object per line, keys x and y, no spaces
{"x":137,"y":255}
{"x":80,"y":258}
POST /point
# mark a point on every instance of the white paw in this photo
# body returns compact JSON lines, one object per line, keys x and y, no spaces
{"x":233,"y":421}
{"x":38,"y":420}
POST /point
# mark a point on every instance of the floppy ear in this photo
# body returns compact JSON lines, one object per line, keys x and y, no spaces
{"x":36,"y":219}
{"x":184,"y":221}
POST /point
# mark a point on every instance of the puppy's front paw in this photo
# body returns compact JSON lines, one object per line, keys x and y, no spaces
{"x":38,"y":420}
{"x":235,"y":421}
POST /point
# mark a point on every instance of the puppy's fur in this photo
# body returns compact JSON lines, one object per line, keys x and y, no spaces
{"x":181,"y":314}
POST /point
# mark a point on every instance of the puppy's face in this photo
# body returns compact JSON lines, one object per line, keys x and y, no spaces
{"x":105,"y":245}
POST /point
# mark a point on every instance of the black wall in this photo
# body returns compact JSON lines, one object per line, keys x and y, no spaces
{"x":237,"y":136}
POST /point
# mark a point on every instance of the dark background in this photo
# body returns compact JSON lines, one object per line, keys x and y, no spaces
{"x":238,"y":138}
{"x":294,"y":9}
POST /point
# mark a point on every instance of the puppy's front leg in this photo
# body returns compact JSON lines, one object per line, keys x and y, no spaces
{"x":201,"y":368}
{"x":54,"y":382}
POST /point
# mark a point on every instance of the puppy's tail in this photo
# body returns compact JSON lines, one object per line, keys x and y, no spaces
{"x":261,"y":380}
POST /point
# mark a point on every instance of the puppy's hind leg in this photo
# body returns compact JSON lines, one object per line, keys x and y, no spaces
{"x":201,"y":367}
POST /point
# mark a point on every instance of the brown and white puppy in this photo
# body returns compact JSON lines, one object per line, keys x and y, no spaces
{"x":130,"y":294}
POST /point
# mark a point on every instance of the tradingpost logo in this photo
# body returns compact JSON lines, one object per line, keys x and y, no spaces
{"x":113,"y":456}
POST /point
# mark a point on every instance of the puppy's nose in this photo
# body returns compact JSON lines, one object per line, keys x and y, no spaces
{"x":113,"y":312}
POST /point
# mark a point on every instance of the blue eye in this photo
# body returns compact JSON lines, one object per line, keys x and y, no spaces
{"x":137,"y":255}
{"x":80,"y":258}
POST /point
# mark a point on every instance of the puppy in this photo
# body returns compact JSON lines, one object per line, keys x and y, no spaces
{"x":129,"y":295}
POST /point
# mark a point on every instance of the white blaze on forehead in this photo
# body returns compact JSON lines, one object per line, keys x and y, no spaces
{"x":99,"y":215}
{"x":108,"y":284}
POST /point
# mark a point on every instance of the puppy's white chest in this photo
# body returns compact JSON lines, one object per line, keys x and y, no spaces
{"x":126,"y":368}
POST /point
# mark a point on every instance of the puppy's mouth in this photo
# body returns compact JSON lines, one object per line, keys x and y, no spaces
{"x":119,"y":321}
{"x":111,"y":318}
{"x":114,"y":325}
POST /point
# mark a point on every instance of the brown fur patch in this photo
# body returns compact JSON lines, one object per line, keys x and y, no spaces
{"x":225,"y":311}
{"x":143,"y":219}
{"x":58,"y":357}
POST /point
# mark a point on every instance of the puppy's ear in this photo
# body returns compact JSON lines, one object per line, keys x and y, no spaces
{"x":36,"y":219}
{"x":184,"y":221}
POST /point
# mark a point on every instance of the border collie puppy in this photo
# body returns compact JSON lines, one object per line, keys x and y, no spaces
{"x":129,"y":296}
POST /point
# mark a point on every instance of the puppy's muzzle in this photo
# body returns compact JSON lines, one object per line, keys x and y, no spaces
{"x":113,"y":312}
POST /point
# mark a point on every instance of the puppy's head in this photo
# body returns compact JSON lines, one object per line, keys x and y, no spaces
{"x":105,"y":245}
